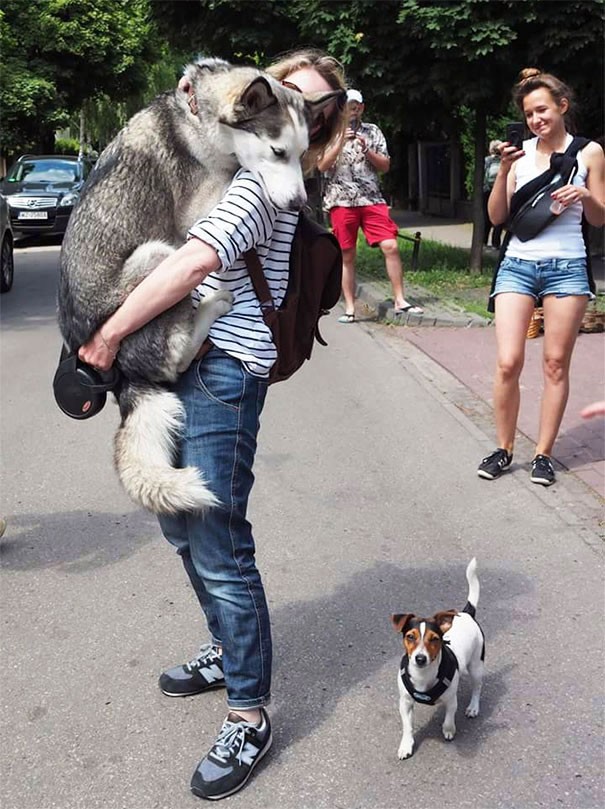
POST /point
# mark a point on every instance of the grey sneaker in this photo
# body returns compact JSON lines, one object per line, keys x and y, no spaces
{"x":229,"y":764}
{"x":542,"y":471}
{"x":203,"y":673}
{"x":494,"y":465}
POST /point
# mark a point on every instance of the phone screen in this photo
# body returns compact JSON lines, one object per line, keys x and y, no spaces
{"x":354,"y":124}
{"x":514,"y":134}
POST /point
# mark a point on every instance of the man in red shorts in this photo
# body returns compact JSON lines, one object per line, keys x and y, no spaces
{"x":353,"y":199}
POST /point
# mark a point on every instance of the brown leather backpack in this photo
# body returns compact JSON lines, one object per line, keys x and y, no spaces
{"x":313,"y":289}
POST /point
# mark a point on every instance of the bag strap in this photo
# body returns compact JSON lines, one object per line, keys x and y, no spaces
{"x":562,"y":163}
{"x":259,"y":282}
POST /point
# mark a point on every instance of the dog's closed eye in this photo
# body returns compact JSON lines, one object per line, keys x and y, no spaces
{"x":278,"y":152}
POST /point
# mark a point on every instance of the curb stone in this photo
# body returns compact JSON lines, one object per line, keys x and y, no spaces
{"x":436,"y":313}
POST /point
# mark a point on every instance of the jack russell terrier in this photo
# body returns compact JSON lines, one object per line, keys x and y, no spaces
{"x":437,"y":650}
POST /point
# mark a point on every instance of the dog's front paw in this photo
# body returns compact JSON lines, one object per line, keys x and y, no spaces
{"x":449,"y":731}
{"x":472,"y":710}
{"x":406,"y":748}
{"x":221,"y":302}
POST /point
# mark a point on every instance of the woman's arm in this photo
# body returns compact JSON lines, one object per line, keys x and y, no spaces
{"x":498,"y":204}
{"x":171,"y":281}
{"x":329,"y":157}
{"x":592,"y":196}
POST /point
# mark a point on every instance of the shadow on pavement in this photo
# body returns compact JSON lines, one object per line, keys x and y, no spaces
{"x":75,"y":541}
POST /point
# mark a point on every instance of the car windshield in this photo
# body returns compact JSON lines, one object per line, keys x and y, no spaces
{"x":44,"y":171}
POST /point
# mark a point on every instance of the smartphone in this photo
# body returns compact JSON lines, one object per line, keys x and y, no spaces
{"x":354,"y":124}
{"x":514,"y":134}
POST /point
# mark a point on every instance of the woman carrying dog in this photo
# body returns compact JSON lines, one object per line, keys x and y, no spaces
{"x":223,"y":395}
{"x":552,"y":267}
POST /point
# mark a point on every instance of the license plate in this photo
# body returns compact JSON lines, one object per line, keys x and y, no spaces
{"x":33,"y":215}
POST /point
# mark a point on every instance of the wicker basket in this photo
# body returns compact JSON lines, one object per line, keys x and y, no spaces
{"x":592,"y":320}
{"x":535,"y":324}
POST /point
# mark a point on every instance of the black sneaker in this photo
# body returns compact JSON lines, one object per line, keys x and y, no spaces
{"x":542,"y":470}
{"x":229,"y":764}
{"x":494,"y":465}
{"x":203,"y":673}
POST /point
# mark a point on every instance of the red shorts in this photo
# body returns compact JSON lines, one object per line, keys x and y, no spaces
{"x":374,"y":220}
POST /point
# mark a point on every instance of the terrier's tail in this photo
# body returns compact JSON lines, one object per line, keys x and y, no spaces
{"x":473,"y":588}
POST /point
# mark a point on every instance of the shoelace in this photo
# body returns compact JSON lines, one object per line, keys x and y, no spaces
{"x":206,"y":654}
{"x":230,"y":740}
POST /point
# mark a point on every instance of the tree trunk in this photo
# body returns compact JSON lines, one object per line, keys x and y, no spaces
{"x":478,"y":217}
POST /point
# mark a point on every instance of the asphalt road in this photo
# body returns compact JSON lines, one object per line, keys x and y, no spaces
{"x":366,"y":503}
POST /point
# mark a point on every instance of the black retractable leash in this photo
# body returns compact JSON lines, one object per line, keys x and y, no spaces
{"x":81,"y":390}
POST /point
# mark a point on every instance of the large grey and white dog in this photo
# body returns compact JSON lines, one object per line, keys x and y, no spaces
{"x":168,"y":167}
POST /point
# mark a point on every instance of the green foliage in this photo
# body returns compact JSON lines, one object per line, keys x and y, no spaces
{"x":66,"y":146}
{"x":58,"y":53}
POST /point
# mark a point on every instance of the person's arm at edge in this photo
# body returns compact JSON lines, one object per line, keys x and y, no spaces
{"x":171,"y":281}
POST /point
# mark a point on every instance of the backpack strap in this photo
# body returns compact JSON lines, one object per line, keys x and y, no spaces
{"x":259,"y":282}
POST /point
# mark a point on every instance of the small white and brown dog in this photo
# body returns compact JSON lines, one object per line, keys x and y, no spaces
{"x":437,"y":650}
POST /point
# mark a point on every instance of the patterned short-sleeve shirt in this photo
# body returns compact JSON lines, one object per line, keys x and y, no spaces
{"x":353,"y":181}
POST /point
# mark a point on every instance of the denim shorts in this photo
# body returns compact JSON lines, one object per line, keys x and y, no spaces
{"x":550,"y":276}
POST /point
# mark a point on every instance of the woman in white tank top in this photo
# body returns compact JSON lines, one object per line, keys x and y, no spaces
{"x":552,"y":267}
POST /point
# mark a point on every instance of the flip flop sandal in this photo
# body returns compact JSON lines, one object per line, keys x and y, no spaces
{"x":346,"y":318}
{"x":409,"y":309}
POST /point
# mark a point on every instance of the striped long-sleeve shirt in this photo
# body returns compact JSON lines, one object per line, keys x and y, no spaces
{"x":245,"y":218}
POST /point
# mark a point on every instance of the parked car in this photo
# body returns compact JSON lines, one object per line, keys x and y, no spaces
{"x":41,"y":191}
{"x":7,"y":266}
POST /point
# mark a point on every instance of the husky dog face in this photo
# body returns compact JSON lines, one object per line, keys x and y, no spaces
{"x":270,"y":131}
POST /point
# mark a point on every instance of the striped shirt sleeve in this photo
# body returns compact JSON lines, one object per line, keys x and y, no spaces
{"x":242,"y":219}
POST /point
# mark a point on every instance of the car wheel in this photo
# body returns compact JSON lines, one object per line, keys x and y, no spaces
{"x":7,"y":265}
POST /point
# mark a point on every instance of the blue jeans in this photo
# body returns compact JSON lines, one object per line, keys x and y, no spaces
{"x":223,"y":403}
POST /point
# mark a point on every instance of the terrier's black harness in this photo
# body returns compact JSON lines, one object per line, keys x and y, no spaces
{"x":447,"y":669}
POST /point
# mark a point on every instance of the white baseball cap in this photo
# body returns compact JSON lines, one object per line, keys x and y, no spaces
{"x":354,"y":95}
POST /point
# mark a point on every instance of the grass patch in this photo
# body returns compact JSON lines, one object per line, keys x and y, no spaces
{"x":443,"y":272}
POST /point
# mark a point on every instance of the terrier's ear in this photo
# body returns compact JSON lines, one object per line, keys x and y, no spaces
{"x":401,"y":621}
{"x":444,"y":619}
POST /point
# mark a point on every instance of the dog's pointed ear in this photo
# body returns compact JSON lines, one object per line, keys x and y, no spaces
{"x":255,"y":98}
{"x":324,"y":114}
{"x":400,"y":621}
{"x":444,"y":619}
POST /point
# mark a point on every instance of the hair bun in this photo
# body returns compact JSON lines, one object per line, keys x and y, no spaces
{"x":529,"y":73}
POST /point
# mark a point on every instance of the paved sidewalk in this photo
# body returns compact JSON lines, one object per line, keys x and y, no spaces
{"x":469,"y":354}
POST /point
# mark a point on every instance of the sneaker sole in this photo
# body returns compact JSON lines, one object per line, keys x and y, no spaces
{"x":209,"y":687}
{"x":488,"y":475}
{"x":198,"y":793}
{"x":542,"y":481}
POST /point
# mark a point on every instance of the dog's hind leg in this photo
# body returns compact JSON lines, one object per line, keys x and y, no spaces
{"x":211,"y":307}
{"x":475,"y":670}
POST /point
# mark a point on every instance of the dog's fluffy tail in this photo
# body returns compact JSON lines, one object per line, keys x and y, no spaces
{"x":473,"y":588}
{"x":145,"y":448}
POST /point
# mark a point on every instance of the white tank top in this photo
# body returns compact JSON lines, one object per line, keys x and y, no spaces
{"x":562,"y":238}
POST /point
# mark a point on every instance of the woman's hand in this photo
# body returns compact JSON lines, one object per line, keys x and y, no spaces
{"x":569,"y":194}
{"x":98,"y":352}
{"x":509,"y":155}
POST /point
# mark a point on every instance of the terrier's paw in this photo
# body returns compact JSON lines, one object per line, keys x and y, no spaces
{"x":406,"y":748}
{"x":473,"y":710}
{"x":449,"y":731}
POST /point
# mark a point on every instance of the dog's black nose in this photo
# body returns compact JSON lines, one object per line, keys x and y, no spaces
{"x":420,"y":660}
{"x":297,"y":203}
